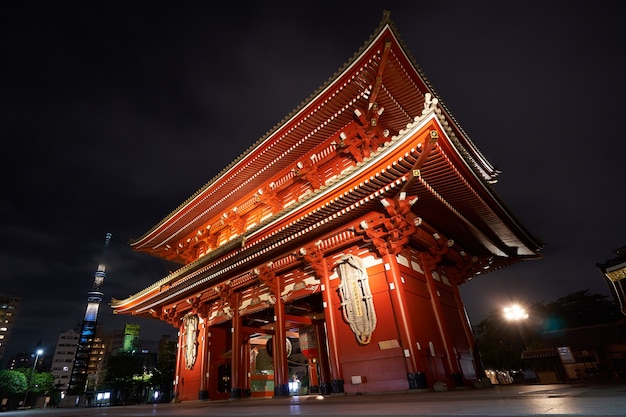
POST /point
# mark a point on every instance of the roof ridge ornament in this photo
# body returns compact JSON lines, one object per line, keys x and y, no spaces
{"x":386,"y":17}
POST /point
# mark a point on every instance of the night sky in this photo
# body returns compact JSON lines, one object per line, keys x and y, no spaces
{"x":114,"y":113}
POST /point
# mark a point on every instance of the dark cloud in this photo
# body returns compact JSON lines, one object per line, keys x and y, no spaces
{"x":115,"y":113}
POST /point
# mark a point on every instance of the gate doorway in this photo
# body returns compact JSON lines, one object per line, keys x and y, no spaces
{"x":305,"y":347}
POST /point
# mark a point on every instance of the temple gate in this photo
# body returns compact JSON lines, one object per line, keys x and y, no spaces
{"x":328,"y":257}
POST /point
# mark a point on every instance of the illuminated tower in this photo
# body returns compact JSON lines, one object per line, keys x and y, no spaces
{"x":79,"y":379}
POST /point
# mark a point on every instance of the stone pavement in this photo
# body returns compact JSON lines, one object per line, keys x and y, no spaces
{"x":591,"y":399}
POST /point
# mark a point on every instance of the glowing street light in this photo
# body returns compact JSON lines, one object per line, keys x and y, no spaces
{"x":32,"y":374}
{"x":516,"y":314}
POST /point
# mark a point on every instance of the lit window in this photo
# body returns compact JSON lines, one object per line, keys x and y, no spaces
{"x":3,"y":329}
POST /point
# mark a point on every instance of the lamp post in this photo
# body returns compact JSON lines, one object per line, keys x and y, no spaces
{"x":516,"y":314}
{"x":32,"y":374}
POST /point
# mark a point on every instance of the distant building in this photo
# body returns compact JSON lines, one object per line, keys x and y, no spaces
{"x":95,"y":366}
{"x":123,"y":340}
{"x":614,"y":273}
{"x":114,"y":341}
{"x":63,"y":359}
{"x":91,"y":375}
{"x":27,"y":360}
{"x":19,"y":360}
{"x":102,"y":347}
{"x":88,"y":341}
{"x":164,"y":343}
{"x":131,"y":338}
{"x":580,"y":353}
{"x":9,"y":305}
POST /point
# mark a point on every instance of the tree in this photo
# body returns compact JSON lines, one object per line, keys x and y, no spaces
{"x":500,"y":342}
{"x":12,"y":382}
{"x":42,"y":383}
{"x":38,"y":383}
{"x":577,"y":309}
{"x":12,"y":385}
{"x":126,"y":375}
{"x":164,"y":372}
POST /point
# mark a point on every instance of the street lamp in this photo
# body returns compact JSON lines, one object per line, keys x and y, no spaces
{"x":516,"y":313}
{"x":32,"y":374}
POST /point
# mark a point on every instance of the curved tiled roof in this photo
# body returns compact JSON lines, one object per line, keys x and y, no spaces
{"x":325,"y":112}
{"x":454,"y":184}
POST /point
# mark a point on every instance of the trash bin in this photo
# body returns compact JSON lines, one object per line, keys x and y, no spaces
{"x":281,"y":390}
{"x":337,"y":385}
{"x":326,"y":388}
{"x":420,"y":380}
{"x":458,"y":379}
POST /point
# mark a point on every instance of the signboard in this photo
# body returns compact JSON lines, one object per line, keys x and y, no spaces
{"x":565,"y":354}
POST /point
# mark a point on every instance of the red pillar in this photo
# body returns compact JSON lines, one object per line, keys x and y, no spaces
{"x":469,"y":334}
{"x":204,"y":360}
{"x":310,"y":348}
{"x":281,"y":370}
{"x":179,"y":363}
{"x":401,"y":312}
{"x":452,"y":363}
{"x":323,"y":361}
{"x":237,"y":341}
{"x":331,"y":325}
{"x":313,"y":378}
{"x":245,"y":365}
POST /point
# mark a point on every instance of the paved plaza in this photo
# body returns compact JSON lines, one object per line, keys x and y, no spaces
{"x":600,"y":399}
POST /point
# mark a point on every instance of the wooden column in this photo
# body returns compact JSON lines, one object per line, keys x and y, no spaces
{"x":401,"y":312}
{"x":236,"y":390}
{"x":179,"y":363}
{"x":245,"y":365}
{"x":328,"y":344}
{"x":323,"y":362}
{"x":281,"y":370}
{"x":330,"y":305}
{"x":204,"y":360}
{"x":390,"y":235}
{"x":453,"y":365}
{"x":469,"y":334}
